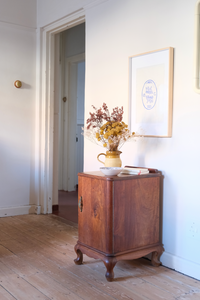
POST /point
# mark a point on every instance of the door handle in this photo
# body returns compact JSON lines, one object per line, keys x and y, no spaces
{"x":80,"y":204}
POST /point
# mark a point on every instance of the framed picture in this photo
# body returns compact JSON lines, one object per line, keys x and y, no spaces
{"x":151,"y":91}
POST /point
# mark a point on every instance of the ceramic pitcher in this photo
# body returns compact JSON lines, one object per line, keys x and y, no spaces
{"x":112,"y":159}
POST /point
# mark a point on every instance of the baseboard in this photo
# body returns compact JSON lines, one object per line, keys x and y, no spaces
{"x":181,"y":265}
{"x":20,"y":210}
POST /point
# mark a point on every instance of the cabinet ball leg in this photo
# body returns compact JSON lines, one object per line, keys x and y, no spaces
{"x":79,"y":259}
{"x":109,"y":264}
{"x":109,"y":276}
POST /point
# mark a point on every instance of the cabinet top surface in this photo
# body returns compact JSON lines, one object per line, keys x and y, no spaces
{"x":100,"y":175}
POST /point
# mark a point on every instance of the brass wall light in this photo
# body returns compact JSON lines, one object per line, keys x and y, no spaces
{"x":18,"y":84}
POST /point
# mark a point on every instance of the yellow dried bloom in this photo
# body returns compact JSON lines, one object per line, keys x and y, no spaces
{"x":118,"y":129}
{"x":113,"y":132}
{"x":103,"y":127}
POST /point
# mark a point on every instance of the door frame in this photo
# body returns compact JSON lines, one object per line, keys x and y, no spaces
{"x":44,"y":127}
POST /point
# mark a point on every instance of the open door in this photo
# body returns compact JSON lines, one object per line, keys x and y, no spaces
{"x":72,"y":121}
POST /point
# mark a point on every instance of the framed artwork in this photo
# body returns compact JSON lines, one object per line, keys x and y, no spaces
{"x":151,"y":91}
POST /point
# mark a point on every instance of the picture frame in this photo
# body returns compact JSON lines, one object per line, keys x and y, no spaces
{"x":151,"y":93}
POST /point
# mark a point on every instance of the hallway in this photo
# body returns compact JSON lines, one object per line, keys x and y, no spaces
{"x":68,"y":206}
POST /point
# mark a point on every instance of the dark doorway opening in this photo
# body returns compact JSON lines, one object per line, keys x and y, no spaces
{"x":70,"y":115}
{"x":68,"y":206}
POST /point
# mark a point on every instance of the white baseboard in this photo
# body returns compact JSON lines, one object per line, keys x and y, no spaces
{"x":181,"y":265}
{"x":20,"y":210}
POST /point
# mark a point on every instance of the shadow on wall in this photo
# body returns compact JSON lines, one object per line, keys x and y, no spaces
{"x":25,"y":86}
{"x":148,"y":147}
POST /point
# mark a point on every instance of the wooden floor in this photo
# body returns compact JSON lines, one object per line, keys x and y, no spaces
{"x":36,"y":262}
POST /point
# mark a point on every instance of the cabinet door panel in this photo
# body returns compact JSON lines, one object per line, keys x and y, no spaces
{"x":94,"y":222}
{"x":136,"y":213}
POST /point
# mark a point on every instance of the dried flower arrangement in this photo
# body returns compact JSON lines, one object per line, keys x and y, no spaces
{"x":107,"y":129}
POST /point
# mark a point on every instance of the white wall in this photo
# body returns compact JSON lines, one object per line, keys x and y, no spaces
{"x":17,"y":106}
{"x":49,"y":11}
{"x":19,"y":12}
{"x":116,"y":30}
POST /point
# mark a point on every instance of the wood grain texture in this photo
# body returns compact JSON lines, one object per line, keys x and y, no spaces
{"x":38,"y":263}
{"x":119,"y":218}
{"x":136,"y":211}
{"x":95,"y":220}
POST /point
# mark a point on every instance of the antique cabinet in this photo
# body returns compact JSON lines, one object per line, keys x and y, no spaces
{"x":119,"y":217}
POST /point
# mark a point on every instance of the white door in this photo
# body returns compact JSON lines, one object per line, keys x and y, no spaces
{"x":80,"y":117}
{"x":71,"y":158}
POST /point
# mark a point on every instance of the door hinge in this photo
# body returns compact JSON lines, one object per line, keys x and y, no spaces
{"x":64,"y":99}
{"x":76,"y":139}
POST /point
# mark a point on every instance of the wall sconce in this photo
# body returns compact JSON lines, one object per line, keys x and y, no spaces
{"x":18,"y":84}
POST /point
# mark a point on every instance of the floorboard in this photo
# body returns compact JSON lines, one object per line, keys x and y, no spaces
{"x":37,"y":262}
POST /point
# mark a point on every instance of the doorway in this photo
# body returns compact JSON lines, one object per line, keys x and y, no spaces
{"x":71,"y":120}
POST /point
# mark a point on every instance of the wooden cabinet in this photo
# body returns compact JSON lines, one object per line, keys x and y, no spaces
{"x":119,"y":218}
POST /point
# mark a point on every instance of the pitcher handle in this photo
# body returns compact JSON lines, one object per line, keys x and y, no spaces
{"x":99,"y":159}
